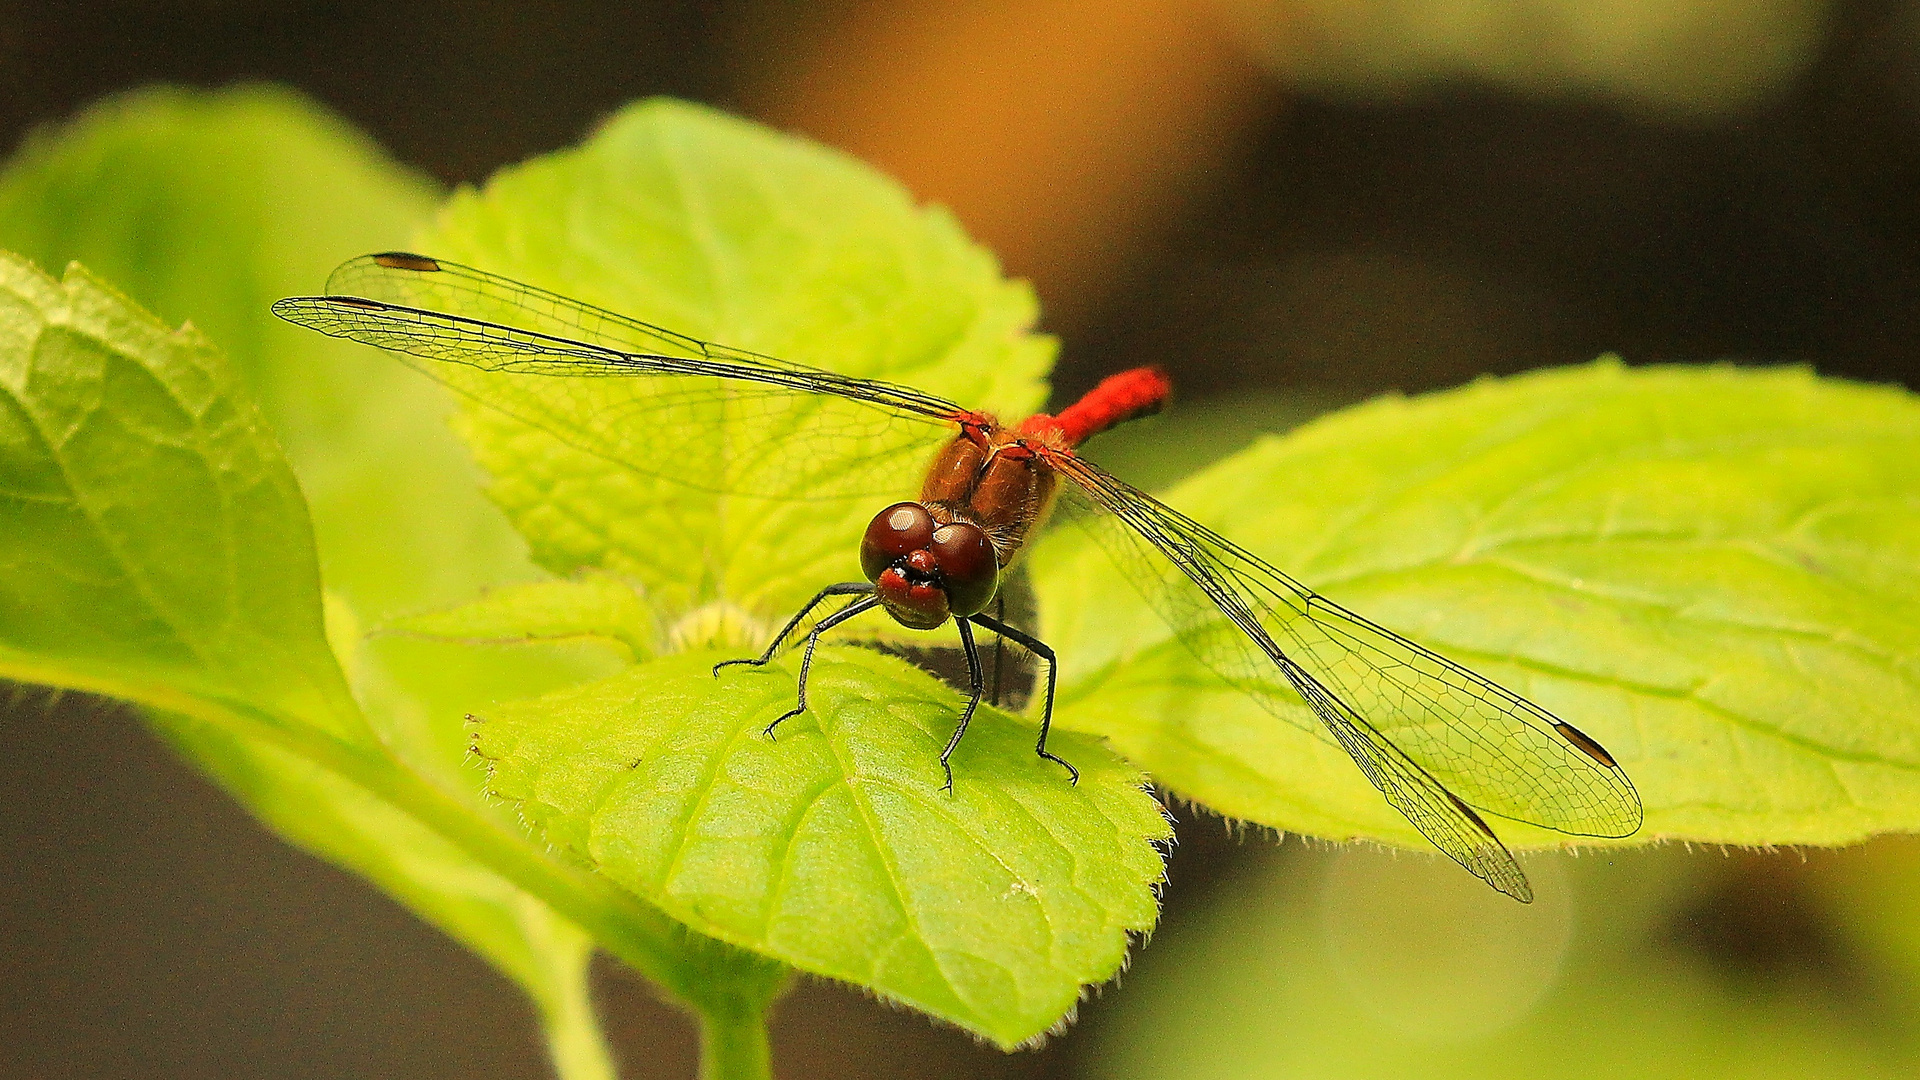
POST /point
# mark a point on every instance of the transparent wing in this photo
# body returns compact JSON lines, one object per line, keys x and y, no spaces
{"x":1438,"y":740}
{"x":704,"y":415}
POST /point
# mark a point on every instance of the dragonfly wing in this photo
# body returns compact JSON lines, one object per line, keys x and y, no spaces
{"x":650,"y":401}
{"x":418,"y":281}
{"x":450,"y":338}
{"x":445,"y":311}
{"x":1435,"y":738}
{"x":1438,"y":813}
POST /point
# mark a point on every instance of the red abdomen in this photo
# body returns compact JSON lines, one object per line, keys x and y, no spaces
{"x":1117,"y":399}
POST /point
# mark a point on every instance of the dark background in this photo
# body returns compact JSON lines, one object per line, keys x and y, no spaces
{"x":1174,"y":202}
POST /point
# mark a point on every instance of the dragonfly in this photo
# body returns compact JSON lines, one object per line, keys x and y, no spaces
{"x":1444,"y":746}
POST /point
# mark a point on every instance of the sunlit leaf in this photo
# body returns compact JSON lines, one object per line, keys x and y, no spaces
{"x":158,"y":552}
{"x":728,"y":232}
{"x":156,"y":540}
{"x":591,"y":606}
{"x":209,"y":206}
{"x":833,"y":846}
{"x":1710,"y":570}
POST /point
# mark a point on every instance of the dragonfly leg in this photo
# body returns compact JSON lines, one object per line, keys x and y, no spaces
{"x":1045,"y":652}
{"x":847,"y":588}
{"x":865,"y":603}
{"x":979,"y":685}
{"x":999,"y":646}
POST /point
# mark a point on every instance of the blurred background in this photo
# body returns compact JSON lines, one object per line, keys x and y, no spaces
{"x":1290,"y":205}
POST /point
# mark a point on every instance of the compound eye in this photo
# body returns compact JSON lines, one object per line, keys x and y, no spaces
{"x":894,"y":533}
{"x":969,"y":568}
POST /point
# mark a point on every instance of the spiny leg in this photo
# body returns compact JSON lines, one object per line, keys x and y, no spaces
{"x":979,"y":687}
{"x":845,"y":588}
{"x":999,"y":646}
{"x":866,"y":603}
{"x":1044,"y":652}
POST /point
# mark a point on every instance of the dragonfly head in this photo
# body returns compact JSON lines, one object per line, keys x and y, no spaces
{"x":923,"y":571}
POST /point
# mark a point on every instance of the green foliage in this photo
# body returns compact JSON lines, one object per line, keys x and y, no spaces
{"x":833,"y":846}
{"x":157,"y":539}
{"x":731,"y":233}
{"x":703,"y":239}
{"x":157,"y":552}
{"x":1710,"y":570}
{"x":319,"y":810}
{"x":968,"y":342}
{"x":213,"y":205}
{"x":1341,"y":963}
{"x":210,"y":206}
{"x":592,"y":606}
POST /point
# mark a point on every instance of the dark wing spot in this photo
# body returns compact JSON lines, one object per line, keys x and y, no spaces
{"x":356,"y":302}
{"x":1585,"y":742}
{"x":404,"y":260}
{"x":1478,"y":823}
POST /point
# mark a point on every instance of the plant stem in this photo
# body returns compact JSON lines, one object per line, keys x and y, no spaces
{"x":730,"y":989}
{"x":641,"y":936}
{"x":733,"y":1042}
{"x":574,"y":1040}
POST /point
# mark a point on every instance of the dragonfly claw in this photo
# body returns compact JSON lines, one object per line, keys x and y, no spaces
{"x":781,"y":719}
{"x":750,"y":661}
{"x":1073,"y":774}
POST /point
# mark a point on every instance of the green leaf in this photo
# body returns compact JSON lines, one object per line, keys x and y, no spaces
{"x":210,"y":206}
{"x":833,"y":847}
{"x":202,"y":202}
{"x":157,"y":543}
{"x":591,"y":606}
{"x":157,"y":552}
{"x":722,"y":230}
{"x":726,"y":231}
{"x":1711,"y":570}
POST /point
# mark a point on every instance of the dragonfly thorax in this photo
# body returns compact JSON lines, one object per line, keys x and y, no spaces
{"x":991,"y":477}
{"x":925,"y":570}
{"x":941,"y":557}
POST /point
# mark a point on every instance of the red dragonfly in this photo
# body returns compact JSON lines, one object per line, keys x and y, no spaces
{"x":1441,"y":743}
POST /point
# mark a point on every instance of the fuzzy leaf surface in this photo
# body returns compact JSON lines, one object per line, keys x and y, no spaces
{"x":833,"y":847}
